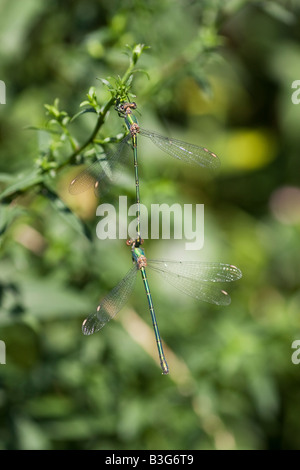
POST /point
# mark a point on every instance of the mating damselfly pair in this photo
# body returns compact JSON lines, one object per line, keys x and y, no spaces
{"x":101,"y":172}
{"x":199,"y":280}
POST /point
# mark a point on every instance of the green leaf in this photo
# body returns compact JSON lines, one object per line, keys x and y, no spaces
{"x":87,"y":110}
{"x":8,"y":213}
{"x":137,"y":51}
{"x":52,"y":110}
{"x":63,"y":210}
{"x":22,"y":183}
{"x":105,"y":82}
{"x":43,"y":129}
{"x":142,"y":71}
{"x":129,"y":80}
{"x":6,"y":178}
{"x":92,"y":91}
{"x":279,"y":12}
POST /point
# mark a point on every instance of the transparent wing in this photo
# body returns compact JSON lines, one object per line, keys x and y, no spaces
{"x":101,"y":171}
{"x":199,"y":280}
{"x":201,"y":271}
{"x":182,"y":150}
{"x":111,"y":304}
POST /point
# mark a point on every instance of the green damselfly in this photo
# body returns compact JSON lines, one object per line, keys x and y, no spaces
{"x":197,"y":279}
{"x":102,"y":170}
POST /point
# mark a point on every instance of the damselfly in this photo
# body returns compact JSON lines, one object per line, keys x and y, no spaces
{"x":102,"y":169}
{"x":197,"y":279}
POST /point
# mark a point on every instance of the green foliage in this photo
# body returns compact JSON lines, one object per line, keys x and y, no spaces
{"x":215,"y":73}
{"x":58,"y":127}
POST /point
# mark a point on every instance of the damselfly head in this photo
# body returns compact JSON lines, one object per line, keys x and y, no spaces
{"x":135,"y":243}
{"x":124,"y":108}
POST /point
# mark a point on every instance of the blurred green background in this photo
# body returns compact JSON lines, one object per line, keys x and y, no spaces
{"x":220,"y":76}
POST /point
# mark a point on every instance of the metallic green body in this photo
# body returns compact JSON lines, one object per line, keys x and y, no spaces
{"x":130,"y":119}
{"x":138,"y":254}
{"x":195,"y":279}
